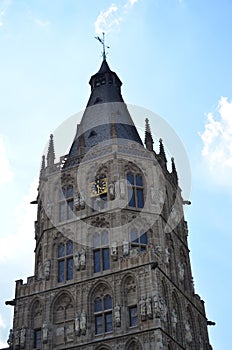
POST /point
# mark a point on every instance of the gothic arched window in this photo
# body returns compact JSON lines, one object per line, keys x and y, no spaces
{"x":65,"y":261}
{"x":138,"y":240}
{"x":37,"y":324}
{"x":63,"y":318}
{"x":135,"y":190}
{"x":66,"y":203}
{"x":103,"y":314}
{"x":131,"y":301}
{"x":101,"y":252}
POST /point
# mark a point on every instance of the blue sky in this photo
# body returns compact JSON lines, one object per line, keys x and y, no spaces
{"x":174,"y":58}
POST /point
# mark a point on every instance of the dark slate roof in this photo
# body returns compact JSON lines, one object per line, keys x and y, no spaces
{"x":106,"y":115}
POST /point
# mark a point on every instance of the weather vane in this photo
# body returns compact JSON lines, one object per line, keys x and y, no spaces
{"x":102,"y":41}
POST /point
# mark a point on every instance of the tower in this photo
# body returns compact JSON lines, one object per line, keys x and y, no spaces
{"x":112,"y":267}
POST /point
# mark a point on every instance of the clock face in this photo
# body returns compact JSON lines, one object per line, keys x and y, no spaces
{"x":98,"y":187}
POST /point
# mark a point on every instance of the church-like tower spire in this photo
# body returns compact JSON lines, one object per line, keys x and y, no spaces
{"x":51,"y":152}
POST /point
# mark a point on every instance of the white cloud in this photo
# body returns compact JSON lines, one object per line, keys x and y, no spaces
{"x":109,"y":20}
{"x":6,"y":171}
{"x":4,"y":5}
{"x":41,"y":23}
{"x":217,"y":142}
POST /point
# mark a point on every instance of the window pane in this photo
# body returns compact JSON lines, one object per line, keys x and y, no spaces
{"x":134,"y":236}
{"x":69,"y":248}
{"x":140,"y":198}
{"x":105,"y":237}
{"x":130,"y":178}
{"x":106,"y":258}
{"x":70,"y":269}
{"x":133,"y":315}
{"x":61,"y":271}
{"x":60,"y":250}
{"x":70,"y":209}
{"x":139,"y":180}
{"x":143,"y":238}
{"x":96,"y":240}
{"x":97,"y":305}
{"x":108,"y":322}
{"x":107,"y":302}
{"x":98,"y":324}
{"x":69,"y":191}
{"x":96,"y":260}
{"x":62,"y":213}
{"x":37,"y":338}
{"x":131,"y":196}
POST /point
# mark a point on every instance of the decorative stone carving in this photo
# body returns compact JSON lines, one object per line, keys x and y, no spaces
{"x":153,"y":195}
{"x":142,"y":305}
{"x":174,"y":216}
{"x":160,"y":308}
{"x":117,"y":316}
{"x":180,"y":266}
{"x":22,"y":338}
{"x":158,"y":249}
{"x":10,"y":338}
{"x":49,"y":209}
{"x":114,"y":250}
{"x":149,"y":307}
{"x":45,"y":332}
{"x":159,"y":343}
{"x":83,"y":323}
{"x":47,"y":267}
{"x":77,"y":325}
{"x":112,"y":190}
{"x":79,"y":202}
{"x":77,"y":262}
{"x":126,"y":248}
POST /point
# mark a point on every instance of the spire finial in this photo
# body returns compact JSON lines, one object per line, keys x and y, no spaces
{"x":102,"y":41}
{"x":51,"y":152}
{"x":174,"y":172}
{"x":162,"y":151}
{"x":148,"y":136}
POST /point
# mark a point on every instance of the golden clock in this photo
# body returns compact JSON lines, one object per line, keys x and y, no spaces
{"x":98,"y":187}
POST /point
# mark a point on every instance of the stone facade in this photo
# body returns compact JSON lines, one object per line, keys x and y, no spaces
{"x":112,"y":268}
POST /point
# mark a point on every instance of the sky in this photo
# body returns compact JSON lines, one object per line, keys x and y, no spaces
{"x":174,"y":59}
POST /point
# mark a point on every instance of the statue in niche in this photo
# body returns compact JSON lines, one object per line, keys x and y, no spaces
{"x":159,"y":343}
{"x":77,"y":200}
{"x":166,"y":256}
{"x":188,"y":333}
{"x":174,"y":216}
{"x":157,"y":249}
{"x":181,"y":271}
{"x":82,"y":257}
{"x":83,"y":323}
{"x":174,"y":319}
{"x":47,"y":266}
{"x":112,"y":190}
{"x":42,"y":214}
{"x":161,"y":197}
{"x":10,"y":338}
{"x":77,"y":325}
{"x":160,"y":308}
{"x":77,"y":261}
{"x":45,"y":332}
{"x":153,"y":195}
{"x":114,"y":250}
{"x":49,"y":209}
{"x":82,"y":202}
{"x":142,"y":305}
{"x":22,"y":338}
{"x":126,"y":249}
{"x":117,"y":316}
{"x":149,"y":307}
{"x":122,"y":189}
{"x":17,"y":338}
{"x":201,"y":347}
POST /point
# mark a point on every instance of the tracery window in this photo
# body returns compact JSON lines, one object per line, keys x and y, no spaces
{"x":63,"y":318}
{"x":36,"y":313}
{"x":66,"y":203}
{"x":103,"y":314}
{"x":135,"y":190}
{"x":101,"y":252}
{"x":138,"y":240}
{"x":131,"y":301}
{"x":65,"y":261}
